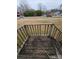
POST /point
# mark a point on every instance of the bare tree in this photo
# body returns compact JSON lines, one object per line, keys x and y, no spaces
{"x":23,"y":6}
{"x":44,"y":8}
{"x":40,"y":6}
{"x":61,"y":6}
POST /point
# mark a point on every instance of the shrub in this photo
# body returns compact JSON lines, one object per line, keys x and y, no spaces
{"x":29,"y":13}
{"x":33,"y":13}
{"x":39,"y":12}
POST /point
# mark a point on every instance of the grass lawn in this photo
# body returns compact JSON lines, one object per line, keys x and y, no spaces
{"x":40,"y":20}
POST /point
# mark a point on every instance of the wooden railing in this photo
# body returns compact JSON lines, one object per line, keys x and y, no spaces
{"x":24,"y":32}
{"x":55,"y":33}
{"x":21,"y":37}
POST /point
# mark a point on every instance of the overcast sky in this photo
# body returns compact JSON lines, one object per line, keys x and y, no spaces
{"x":48,"y":4}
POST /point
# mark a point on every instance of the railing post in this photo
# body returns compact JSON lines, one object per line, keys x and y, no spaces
{"x":51,"y":25}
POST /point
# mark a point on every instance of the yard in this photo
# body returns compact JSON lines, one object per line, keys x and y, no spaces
{"x":57,"y":20}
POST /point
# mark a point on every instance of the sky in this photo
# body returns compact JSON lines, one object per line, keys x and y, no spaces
{"x":47,"y":4}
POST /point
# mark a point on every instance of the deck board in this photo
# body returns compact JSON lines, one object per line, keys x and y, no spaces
{"x":38,"y":48}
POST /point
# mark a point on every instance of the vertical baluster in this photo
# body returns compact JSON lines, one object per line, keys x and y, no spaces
{"x":44,"y":29}
{"x":50,"y":30}
{"x":58,"y":35}
{"x":21,"y":32}
{"x":24,"y":30}
{"x":57,"y":29}
{"x":54,"y":32}
{"x":32,"y":30}
{"x":27,"y":30}
{"x":47,"y":29}
{"x":37,"y":30}
{"x":40,"y":30}
{"x":18,"y":43}
{"x":20,"y":35}
{"x":20,"y":40}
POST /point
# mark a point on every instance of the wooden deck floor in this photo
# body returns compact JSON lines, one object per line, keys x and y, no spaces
{"x":38,"y":48}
